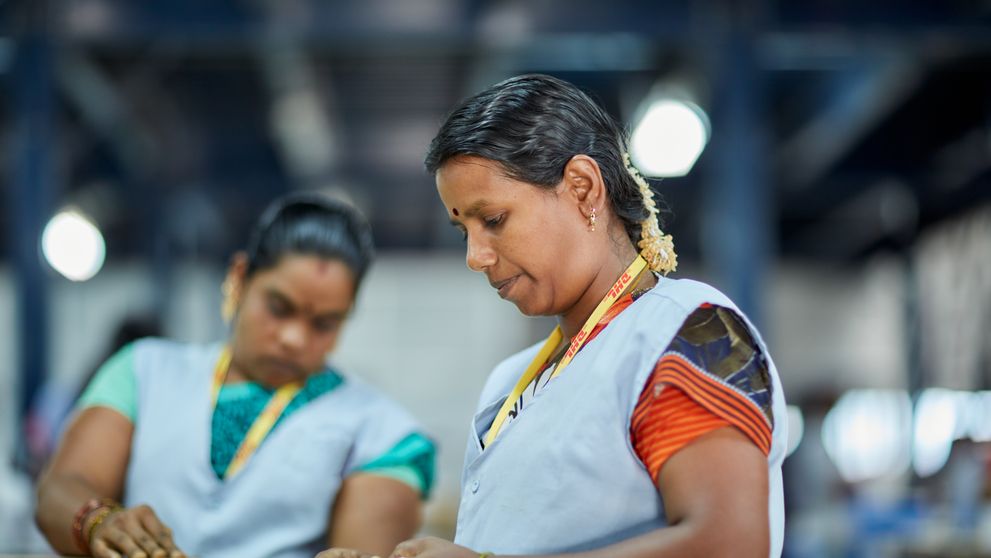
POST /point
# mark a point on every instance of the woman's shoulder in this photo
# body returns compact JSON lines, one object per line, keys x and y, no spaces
{"x":673,"y":301}
{"x":164,"y":345}
{"x":152,"y":355}
{"x":688,"y":293}
{"x":361,"y":396}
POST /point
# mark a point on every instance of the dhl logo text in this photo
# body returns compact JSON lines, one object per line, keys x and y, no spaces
{"x":620,"y":285}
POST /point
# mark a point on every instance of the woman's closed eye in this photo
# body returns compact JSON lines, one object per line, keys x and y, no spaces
{"x":279,"y":307}
{"x":494,"y":221}
{"x":488,"y":222}
{"x":327,"y":324}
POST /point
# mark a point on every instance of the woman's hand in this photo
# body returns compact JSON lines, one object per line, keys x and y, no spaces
{"x":344,"y":553}
{"x":133,"y":533}
{"x":431,"y":547}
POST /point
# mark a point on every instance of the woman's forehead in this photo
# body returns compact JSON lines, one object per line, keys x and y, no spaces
{"x":310,"y":279}
{"x":469,"y":181}
{"x":469,"y":166}
{"x":297,"y":263}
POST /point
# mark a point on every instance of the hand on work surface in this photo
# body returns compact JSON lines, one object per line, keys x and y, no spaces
{"x":133,"y":533}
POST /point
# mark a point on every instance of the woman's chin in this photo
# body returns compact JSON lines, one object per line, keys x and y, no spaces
{"x":529,"y":309}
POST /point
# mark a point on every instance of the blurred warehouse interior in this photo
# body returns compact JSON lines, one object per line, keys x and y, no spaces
{"x":833,"y":177}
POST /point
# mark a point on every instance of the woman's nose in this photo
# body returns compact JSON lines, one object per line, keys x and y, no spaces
{"x":479,"y":255}
{"x":292,"y":335}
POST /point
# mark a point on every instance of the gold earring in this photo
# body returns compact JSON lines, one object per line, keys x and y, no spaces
{"x":591,"y":220}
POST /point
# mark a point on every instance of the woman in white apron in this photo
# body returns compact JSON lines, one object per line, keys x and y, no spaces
{"x":651,"y":422}
{"x":253,"y":446}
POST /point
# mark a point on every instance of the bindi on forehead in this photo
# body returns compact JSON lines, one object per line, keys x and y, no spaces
{"x":323,"y":266}
{"x":455,"y":211}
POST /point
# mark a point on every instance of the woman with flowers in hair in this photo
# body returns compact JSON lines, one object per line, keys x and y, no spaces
{"x":651,"y":421}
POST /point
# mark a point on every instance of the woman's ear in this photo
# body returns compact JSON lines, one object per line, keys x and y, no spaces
{"x":233,"y":285}
{"x":583,"y":181}
{"x":238,"y":269}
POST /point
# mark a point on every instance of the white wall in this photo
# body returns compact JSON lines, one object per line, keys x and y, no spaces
{"x":840,"y":327}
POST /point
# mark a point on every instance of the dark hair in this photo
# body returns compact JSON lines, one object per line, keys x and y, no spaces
{"x":311,"y":224}
{"x":532,"y":125}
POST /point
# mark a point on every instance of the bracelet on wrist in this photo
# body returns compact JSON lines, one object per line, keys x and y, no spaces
{"x":98,"y":517}
{"x":83,"y":515}
{"x":79,"y":518}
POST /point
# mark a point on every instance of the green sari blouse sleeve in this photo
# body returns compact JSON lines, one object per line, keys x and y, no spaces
{"x":114,"y":385}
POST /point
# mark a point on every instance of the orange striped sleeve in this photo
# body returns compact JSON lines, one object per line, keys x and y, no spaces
{"x":671,"y":421}
{"x":679,"y":404}
{"x":717,"y":397}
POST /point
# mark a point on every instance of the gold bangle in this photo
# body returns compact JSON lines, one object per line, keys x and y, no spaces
{"x":485,"y":555}
{"x":99,"y":516}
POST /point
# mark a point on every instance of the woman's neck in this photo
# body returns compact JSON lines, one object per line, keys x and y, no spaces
{"x":237,"y":374}
{"x":572,"y":321}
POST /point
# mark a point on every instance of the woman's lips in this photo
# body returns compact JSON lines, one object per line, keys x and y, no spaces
{"x":504,"y":286}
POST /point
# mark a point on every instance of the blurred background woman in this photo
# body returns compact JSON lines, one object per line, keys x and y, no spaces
{"x":253,"y":447}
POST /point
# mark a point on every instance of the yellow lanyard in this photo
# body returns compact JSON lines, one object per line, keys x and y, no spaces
{"x":617,"y":290}
{"x":265,"y":421}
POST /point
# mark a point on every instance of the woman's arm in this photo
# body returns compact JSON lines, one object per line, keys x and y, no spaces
{"x":372,"y":514}
{"x":91,"y":463}
{"x":715,"y":494}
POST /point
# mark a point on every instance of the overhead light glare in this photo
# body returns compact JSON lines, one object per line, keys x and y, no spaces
{"x":669,"y":138}
{"x":73,"y":246}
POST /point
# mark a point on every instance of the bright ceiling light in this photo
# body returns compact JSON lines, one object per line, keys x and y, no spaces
{"x":669,"y":138}
{"x":867,"y":434}
{"x":937,"y":415}
{"x":979,"y":417}
{"x":73,"y":246}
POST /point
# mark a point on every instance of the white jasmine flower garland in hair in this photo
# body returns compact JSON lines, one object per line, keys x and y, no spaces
{"x":655,"y":246}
